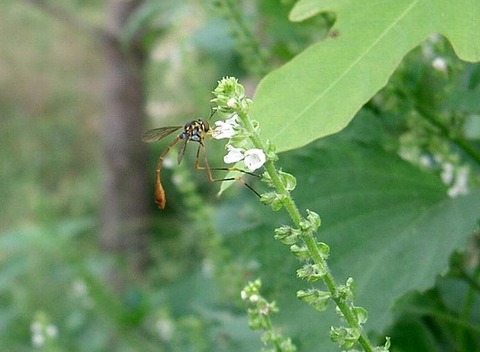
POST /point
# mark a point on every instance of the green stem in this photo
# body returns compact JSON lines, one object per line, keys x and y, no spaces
{"x":308,"y":239}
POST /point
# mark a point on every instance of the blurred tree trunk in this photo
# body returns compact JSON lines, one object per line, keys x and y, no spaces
{"x":125,"y":205}
{"x":125,"y":201}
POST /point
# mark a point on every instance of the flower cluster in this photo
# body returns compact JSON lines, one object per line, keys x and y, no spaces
{"x":245,"y":145}
{"x":239,"y":149}
{"x":43,"y":332}
{"x":259,"y":318}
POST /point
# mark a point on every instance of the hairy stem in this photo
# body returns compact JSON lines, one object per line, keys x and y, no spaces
{"x":308,"y":239}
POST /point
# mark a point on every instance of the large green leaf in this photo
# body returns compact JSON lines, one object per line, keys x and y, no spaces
{"x":390,"y":226}
{"x":320,"y":90}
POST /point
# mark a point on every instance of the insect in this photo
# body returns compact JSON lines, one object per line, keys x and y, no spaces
{"x":196,"y":131}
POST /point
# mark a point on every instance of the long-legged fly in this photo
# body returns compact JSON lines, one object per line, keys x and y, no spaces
{"x":195,"y":131}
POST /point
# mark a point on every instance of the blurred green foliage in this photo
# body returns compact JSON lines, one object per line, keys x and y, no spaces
{"x":204,"y":249}
{"x":50,"y":107}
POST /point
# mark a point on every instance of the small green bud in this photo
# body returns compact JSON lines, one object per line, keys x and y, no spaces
{"x":230,"y":96}
{"x":339,"y":313}
{"x":284,"y":230}
{"x":289,"y":181}
{"x":267,"y":179}
{"x":245,"y":104}
{"x":265,"y":307}
{"x":316,"y":298}
{"x":300,"y":252}
{"x":384,"y":348}
{"x":287,"y":346}
{"x":287,"y":235}
{"x":251,"y":291}
{"x":314,"y":219}
{"x":273,"y":199}
{"x":324,"y":249}
{"x":311,"y":272}
{"x":361,"y":314}
{"x":311,"y":223}
{"x":270,"y":337}
{"x":346,"y":292}
{"x":270,"y":151}
{"x":344,"y":337}
{"x":229,"y":86}
{"x":257,"y":320}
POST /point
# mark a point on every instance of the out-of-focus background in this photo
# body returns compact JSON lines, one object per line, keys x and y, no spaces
{"x":84,"y":251}
{"x":87,"y":262}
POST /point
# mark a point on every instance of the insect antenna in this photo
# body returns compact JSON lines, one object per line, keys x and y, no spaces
{"x":213,"y":111}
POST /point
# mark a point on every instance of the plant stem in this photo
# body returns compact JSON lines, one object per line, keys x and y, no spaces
{"x":308,"y":239}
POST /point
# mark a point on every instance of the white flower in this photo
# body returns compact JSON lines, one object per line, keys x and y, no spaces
{"x":426,"y":161}
{"x":460,"y":185}
{"x":243,"y":295}
{"x":440,"y":64}
{"x":36,"y":327}
{"x":254,"y":159}
{"x":225,"y":129}
{"x":165,"y":328}
{"x":51,"y":330}
{"x":233,"y":120}
{"x":38,"y":340}
{"x":79,"y":288}
{"x":254,"y":298}
{"x":234,"y":155}
{"x":448,"y":173}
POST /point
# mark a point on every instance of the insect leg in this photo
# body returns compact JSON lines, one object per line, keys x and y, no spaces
{"x":209,"y":169}
{"x":160,"y":197}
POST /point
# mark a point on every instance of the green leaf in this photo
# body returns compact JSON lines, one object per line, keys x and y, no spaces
{"x":320,"y":90}
{"x":389,"y":225}
{"x":306,"y":9}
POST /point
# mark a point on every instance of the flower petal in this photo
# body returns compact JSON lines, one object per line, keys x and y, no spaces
{"x":254,"y":159}
{"x":234,"y":155}
{"x":223,"y":130}
{"x":233,"y":121}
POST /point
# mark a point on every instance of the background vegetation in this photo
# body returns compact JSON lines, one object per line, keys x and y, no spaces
{"x":397,"y":190}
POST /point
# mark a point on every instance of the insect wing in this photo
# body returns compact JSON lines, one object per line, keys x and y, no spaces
{"x":181,"y":150}
{"x":159,"y":133}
